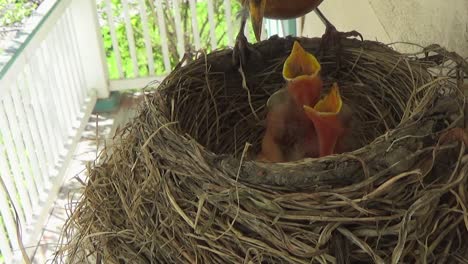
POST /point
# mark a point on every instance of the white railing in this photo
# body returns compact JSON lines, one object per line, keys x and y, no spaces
{"x":48,"y":88}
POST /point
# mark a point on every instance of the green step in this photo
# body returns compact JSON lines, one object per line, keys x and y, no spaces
{"x":108,"y":104}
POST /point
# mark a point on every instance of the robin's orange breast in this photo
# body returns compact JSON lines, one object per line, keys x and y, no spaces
{"x":287,"y":9}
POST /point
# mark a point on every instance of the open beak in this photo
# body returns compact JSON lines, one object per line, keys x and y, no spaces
{"x":301,"y":71}
{"x":300,"y":63}
{"x":257,"y":11}
{"x":327,"y":123}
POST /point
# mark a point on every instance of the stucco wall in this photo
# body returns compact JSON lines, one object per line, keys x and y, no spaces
{"x":419,"y":21}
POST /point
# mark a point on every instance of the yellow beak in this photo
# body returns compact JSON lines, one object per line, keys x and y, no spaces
{"x":300,"y":63}
{"x":327,"y":123}
{"x":257,"y":11}
{"x":330,"y":104}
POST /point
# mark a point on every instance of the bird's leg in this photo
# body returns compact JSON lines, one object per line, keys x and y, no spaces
{"x":332,"y":37}
{"x":242,"y":48}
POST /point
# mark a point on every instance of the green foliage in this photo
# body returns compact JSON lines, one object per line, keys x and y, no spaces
{"x":155,"y":34}
{"x":13,"y":12}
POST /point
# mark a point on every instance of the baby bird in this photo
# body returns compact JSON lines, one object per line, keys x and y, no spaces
{"x":290,"y":135}
{"x":332,"y":122}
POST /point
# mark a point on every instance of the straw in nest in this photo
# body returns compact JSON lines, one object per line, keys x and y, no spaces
{"x":177,"y":187}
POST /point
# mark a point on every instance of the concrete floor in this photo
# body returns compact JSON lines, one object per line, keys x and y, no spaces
{"x":98,"y":132}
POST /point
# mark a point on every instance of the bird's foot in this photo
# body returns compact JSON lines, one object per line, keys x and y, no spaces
{"x":243,"y":51}
{"x":332,"y":39}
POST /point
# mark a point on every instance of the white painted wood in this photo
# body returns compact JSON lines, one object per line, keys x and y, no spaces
{"x":14,"y":165}
{"x":74,"y":50}
{"x":75,"y":84}
{"x":5,"y":249}
{"x":179,"y":30}
{"x":32,"y":236}
{"x":146,"y":35}
{"x":25,"y":130}
{"x":71,"y":87}
{"x":61,"y":90}
{"x":299,"y":28}
{"x":280,"y":27}
{"x":47,"y":99}
{"x":55,"y":89}
{"x":264,"y":35}
{"x":283,"y":26}
{"x":130,"y":38}
{"x":115,"y":43}
{"x":35,"y":82}
{"x":227,"y":11}
{"x":196,"y":32}
{"x":34,"y":32}
{"x":136,"y":83}
{"x":89,"y":41}
{"x":274,"y":27}
{"x":162,"y":31}
{"x":64,"y":88}
{"x":7,"y":178}
{"x":38,"y":143}
{"x":211,"y":19}
{"x":25,"y":175}
{"x":9,"y":239}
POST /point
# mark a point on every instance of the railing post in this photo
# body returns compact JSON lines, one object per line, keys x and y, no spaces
{"x":290,"y":27}
{"x":91,"y":48}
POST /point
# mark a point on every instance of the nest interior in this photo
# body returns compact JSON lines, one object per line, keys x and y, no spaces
{"x":222,"y":112}
{"x":178,"y":185}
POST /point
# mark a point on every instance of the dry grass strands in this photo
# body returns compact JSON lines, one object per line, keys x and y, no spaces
{"x":178,"y":186}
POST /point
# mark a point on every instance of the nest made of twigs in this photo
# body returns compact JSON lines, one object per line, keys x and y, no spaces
{"x":178,"y":185}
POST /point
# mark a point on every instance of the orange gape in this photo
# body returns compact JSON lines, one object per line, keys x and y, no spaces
{"x":331,"y":118}
{"x":301,"y":70}
{"x":290,"y":135}
{"x":277,"y":9}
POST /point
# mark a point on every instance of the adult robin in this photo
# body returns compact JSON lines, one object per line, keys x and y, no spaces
{"x":281,"y":9}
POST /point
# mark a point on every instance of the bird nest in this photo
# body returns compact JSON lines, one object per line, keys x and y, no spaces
{"x":180,"y":185}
